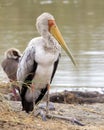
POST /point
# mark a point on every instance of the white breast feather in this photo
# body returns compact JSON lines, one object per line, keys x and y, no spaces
{"x":44,"y":58}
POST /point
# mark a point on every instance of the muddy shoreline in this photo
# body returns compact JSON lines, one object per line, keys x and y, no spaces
{"x":87,"y":107}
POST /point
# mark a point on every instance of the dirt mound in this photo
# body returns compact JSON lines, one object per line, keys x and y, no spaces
{"x":77,"y":97}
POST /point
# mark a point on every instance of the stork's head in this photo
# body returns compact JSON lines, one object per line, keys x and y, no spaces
{"x":46,"y":24}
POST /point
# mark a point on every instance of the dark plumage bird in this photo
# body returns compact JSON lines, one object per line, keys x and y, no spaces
{"x":10,"y":65}
{"x":39,"y":61}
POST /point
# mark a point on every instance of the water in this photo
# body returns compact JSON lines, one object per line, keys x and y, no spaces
{"x":82,"y":25}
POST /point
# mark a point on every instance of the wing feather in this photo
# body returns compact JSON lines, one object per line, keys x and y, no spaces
{"x":25,"y":73}
{"x":27,"y":66}
{"x":55,"y":67}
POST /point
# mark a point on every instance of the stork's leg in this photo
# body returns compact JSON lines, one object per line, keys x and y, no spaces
{"x":38,"y":112}
{"x":33,"y":90}
{"x":47,"y":106}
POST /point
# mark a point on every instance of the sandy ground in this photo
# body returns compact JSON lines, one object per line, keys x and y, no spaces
{"x":12,"y":118}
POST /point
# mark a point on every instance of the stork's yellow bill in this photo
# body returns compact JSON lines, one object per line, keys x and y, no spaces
{"x":56,"y":33}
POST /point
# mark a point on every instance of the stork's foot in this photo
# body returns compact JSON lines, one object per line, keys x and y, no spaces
{"x":43,"y":106}
{"x":44,"y":117}
{"x":43,"y":110}
{"x":41,"y":113}
{"x":73,"y":120}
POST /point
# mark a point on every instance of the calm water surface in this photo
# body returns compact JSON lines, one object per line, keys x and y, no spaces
{"x":82,"y":25}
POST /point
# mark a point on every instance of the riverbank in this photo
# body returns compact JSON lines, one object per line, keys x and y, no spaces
{"x":90,"y":114}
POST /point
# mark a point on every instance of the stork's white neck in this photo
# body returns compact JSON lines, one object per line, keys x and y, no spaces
{"x":51,"y":43}
{"x":43,"y":28}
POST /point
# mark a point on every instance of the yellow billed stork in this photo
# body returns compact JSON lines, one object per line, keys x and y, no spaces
{"x":39,"y":61}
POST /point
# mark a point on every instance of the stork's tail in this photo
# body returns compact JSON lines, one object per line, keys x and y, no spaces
{"x":27,"y":106}
{"x":27,"y":98}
